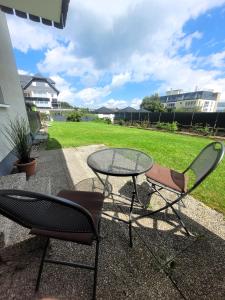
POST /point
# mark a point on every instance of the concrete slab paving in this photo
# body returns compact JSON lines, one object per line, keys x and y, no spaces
{"x":163,"y":264}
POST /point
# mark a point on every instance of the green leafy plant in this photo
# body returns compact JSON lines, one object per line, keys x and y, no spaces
{"x":144,"y":124}
{"x":98,"y":120}
{"x":167,"y":126}
{"x":172,"y":126}
{"x":108,"y":121}
{"x":18,"y":135}
{"x":121,"y":122}
{"x":159,"y":125}
{"x":201,"y":129}
{"x":74,"y":116}
{"x":128,"y":123}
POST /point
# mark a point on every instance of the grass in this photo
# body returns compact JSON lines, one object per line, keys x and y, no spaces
{"x":169,"y":149}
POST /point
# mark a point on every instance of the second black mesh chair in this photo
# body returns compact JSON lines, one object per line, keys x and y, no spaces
{"x":160,"y":177}
{"x":71,"y":216}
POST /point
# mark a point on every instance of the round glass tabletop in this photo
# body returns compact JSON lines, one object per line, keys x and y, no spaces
{"x":119,"y":162}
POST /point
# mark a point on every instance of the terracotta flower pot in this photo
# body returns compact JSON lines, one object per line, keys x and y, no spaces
{"x":28,"y":168}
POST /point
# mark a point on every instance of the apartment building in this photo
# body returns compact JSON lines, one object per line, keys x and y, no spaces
{"x":40,"y":91}
{"x":203,"y":101}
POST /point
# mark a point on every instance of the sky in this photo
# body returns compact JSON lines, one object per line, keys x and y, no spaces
{"x":114,"y":53}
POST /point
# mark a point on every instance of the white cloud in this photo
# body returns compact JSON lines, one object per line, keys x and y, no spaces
{"x":136,"y":102}
{"x":217,"y":60}
{"x":116,"y":103}
{"x":67,"y":92}
{"x":24,"y":72}
{"x":113,"y":103}
{"x":61,"y":59}
{"x":90,"y":96}
{"x":28,"y":35}
{"x":120,"y":79}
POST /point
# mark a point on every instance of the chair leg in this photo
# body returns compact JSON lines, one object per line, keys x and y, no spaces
{"x":130,"y":234}
{"x":96,"y":270}
{"x":180,"y":220}
{"x":41,"y":265}
{"x":174,"y":210}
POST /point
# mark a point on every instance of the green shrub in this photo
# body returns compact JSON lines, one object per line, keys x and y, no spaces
{"x":172,"y":126}
{"x":98,"y":120}
{"x":107,"y":121}
{"x":121,"y":122}
{"x":74,"y":116}
{"x":167,"y":126}
{"x":17,"y":132}
{"x":136,"y":124}
{"x":160,"y":125}
{"x":144,"y":124}
{"x":201,"y":129}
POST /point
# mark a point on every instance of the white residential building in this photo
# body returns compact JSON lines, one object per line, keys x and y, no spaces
{"x":40,"y":91}
{"x":203,"y":101}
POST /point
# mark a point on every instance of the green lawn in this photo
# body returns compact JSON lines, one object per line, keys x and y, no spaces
{"x":169,"y":149}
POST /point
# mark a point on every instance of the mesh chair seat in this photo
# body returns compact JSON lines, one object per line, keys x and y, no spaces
{"x":168,"y":177}
{"x":93,"y":202}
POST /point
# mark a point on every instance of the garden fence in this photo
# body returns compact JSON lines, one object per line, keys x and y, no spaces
{"x":184,"y":119}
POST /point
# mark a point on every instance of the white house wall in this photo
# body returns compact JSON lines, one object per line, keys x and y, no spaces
{"x":10,"y":86}
{"x":107,"y":116}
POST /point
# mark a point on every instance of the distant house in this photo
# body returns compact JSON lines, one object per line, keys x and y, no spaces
{"x":204,"y":101}
{"x":40,"y":91}
{"x":105,"y":113}
{"x":127,"y":109}
{"x":142,"y":110}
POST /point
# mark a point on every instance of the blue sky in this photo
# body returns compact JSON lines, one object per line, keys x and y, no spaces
{"x":114,"y":54}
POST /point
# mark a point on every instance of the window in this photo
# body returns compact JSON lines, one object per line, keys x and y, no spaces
{"x":1,"y":97}
{"x":27,"y":94}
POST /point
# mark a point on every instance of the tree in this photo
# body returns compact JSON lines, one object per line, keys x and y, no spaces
{"x":152,"y":103}
{"x":84,"y":110}
{"x":65,"y":105}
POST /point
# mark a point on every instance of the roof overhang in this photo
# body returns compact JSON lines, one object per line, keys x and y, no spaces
{"x":49,"y":12}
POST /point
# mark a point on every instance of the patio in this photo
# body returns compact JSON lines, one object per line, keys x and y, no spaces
{"x":163,"y":264}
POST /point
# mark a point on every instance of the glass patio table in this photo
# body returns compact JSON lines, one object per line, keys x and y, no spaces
{"x":120,"y":162}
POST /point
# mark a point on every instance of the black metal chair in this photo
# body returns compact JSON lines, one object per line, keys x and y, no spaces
{"x":160,"y":177}
{"x":71,"y":216}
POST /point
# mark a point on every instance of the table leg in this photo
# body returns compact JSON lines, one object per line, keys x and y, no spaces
{"x":103,"y":183}
{"x":105,"y":186}
{"x":134,"y":197}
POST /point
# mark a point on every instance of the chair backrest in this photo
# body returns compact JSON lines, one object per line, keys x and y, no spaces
{"x":206,"y":161}
{"x":40,"y":211}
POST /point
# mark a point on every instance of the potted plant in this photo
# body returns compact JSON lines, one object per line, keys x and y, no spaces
{"x":18,"y":136}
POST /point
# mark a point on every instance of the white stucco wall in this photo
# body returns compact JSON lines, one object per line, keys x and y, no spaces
{"x":10,"y":85}
{"x":108,"y":116}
